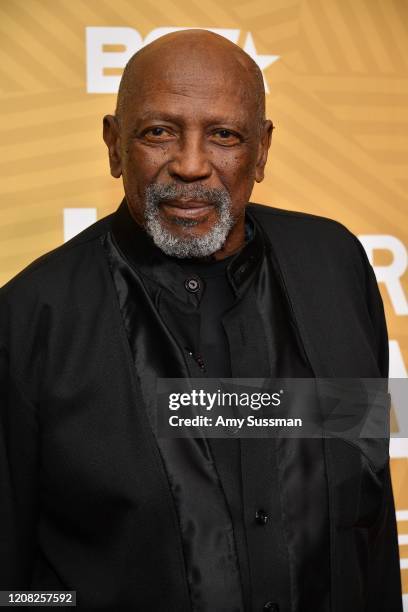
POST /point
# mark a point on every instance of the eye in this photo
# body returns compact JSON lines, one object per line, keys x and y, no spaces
{"x":156,"y":133}
{"x":226,"y":137}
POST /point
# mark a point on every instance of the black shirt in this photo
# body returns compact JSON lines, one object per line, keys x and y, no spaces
{"x":217,"y":297}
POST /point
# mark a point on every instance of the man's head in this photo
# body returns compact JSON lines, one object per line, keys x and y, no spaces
{"x":189,"y":138}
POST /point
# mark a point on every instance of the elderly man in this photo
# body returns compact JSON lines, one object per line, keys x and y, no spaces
{"x":186,"y":280}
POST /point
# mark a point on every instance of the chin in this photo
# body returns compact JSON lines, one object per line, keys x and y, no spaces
{"x":188,"y":227}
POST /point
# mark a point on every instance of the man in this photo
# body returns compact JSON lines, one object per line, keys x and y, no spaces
{"x":188,"y":280}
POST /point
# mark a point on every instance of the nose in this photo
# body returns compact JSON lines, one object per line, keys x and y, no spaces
{"x":189,"y":161}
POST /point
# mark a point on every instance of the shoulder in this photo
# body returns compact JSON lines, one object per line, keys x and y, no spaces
{"x":299,"y":231}
{"x":54,"y":268}
{"x":65,"y":284}
{"x":55,"y":298}
{"x":296,"y":221}
{"x":317,"y":246}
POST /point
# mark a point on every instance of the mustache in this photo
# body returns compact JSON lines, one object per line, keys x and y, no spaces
{"x":161,"y":192}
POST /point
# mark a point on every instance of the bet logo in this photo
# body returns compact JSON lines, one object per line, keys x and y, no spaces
{"x":109,"y":49}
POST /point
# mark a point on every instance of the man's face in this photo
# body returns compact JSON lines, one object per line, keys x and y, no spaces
{"x":189,"y":147}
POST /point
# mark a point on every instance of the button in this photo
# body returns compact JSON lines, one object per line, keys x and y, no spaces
{"x":240,"y":272}
{"x":192,"y":285}
{"x":261,"y":518}
{"x":272,"y":607}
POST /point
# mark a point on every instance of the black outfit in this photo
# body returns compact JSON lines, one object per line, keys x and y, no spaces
{"x":91,"y":501}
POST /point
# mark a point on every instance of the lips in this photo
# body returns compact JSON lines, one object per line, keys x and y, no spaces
{"x":187,"y":204}
{"x":187,"y":208}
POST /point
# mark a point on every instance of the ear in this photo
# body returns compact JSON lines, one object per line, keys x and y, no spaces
{"x":112,"y":140}
{"x":264,"y":144}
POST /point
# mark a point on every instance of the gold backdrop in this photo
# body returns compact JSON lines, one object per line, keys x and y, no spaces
{"x":337,"y":76}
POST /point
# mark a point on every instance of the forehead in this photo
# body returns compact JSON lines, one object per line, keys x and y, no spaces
{"x":193,"y":88}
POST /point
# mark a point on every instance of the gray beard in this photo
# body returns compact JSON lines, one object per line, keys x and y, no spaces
{"x":187,"y":246}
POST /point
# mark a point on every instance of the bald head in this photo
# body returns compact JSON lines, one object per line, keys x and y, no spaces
{"x":191,"y":52}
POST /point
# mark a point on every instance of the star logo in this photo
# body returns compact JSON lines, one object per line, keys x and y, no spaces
{"x":263,"y":61}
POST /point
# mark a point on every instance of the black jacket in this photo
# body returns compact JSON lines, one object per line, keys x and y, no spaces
{"x":84,"y":500}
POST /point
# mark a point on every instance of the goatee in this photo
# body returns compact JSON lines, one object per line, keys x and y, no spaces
{"x":187,"y":246}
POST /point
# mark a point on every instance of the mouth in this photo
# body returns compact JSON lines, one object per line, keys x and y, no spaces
{"x":191,"y":209}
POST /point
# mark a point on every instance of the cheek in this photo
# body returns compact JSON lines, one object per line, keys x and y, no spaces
{"x":145,"y":159}
{"x":238,"y":174}
{"x":238,"y":161}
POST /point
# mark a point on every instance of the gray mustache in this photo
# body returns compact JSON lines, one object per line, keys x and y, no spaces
{"x":157,"y":192}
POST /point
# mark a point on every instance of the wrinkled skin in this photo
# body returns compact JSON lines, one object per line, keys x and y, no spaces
{"x":190,"y":115}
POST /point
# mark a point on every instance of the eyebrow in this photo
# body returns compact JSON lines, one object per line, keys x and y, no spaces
{"x":175,"y":118}
{"x":161,"y":115}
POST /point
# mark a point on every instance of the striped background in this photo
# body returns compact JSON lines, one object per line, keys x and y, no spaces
{"x":338,"y":97}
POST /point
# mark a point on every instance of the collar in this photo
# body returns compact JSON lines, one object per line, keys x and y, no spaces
{"x":138,"y":248}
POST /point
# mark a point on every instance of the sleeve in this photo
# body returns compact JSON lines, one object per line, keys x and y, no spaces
{"x":377,"y":316}
{"x":18,"y":481}
{"x":384,"y":578}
